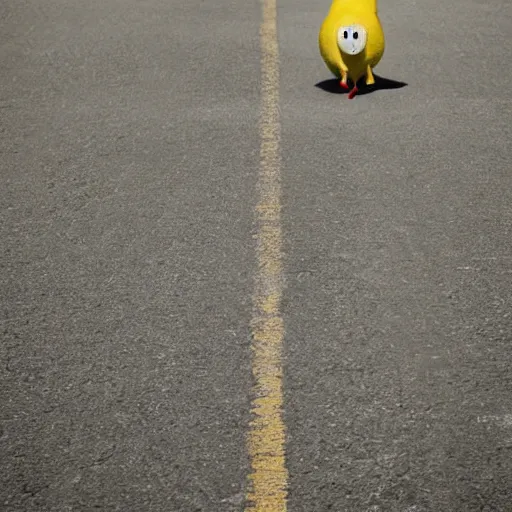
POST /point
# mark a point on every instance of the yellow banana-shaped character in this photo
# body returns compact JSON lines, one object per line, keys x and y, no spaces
{"x":351,"y":41}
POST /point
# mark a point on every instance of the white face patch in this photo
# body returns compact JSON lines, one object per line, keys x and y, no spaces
{"x":352,"y":39}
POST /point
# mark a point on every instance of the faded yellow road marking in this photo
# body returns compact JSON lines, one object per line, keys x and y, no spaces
{"x":268,"y":477}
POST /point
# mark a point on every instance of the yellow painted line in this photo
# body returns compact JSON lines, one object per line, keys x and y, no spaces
{"x":266,"y":442}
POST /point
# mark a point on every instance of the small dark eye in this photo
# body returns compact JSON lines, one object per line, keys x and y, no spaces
{"x":345,"y":35}
{"x":356,"y":35}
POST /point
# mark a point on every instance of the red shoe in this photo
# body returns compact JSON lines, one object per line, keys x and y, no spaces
{"x":353,"y":92}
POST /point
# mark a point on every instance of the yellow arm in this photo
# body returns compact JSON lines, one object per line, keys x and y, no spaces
{"x":328,"y":42}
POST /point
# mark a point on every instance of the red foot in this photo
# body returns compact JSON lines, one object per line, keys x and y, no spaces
{"x":352,"y":93}
{"x":344,"y":85}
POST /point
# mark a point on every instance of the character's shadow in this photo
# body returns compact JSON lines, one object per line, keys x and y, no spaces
{"x":333,"y":85}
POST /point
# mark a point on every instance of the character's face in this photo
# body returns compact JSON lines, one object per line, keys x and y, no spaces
{"x":352,"y":39}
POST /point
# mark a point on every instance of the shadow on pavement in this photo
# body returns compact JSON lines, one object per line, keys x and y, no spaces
{"x":333,"y":85}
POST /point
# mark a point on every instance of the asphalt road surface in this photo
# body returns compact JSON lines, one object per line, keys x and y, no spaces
{"x":129,"y":164}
